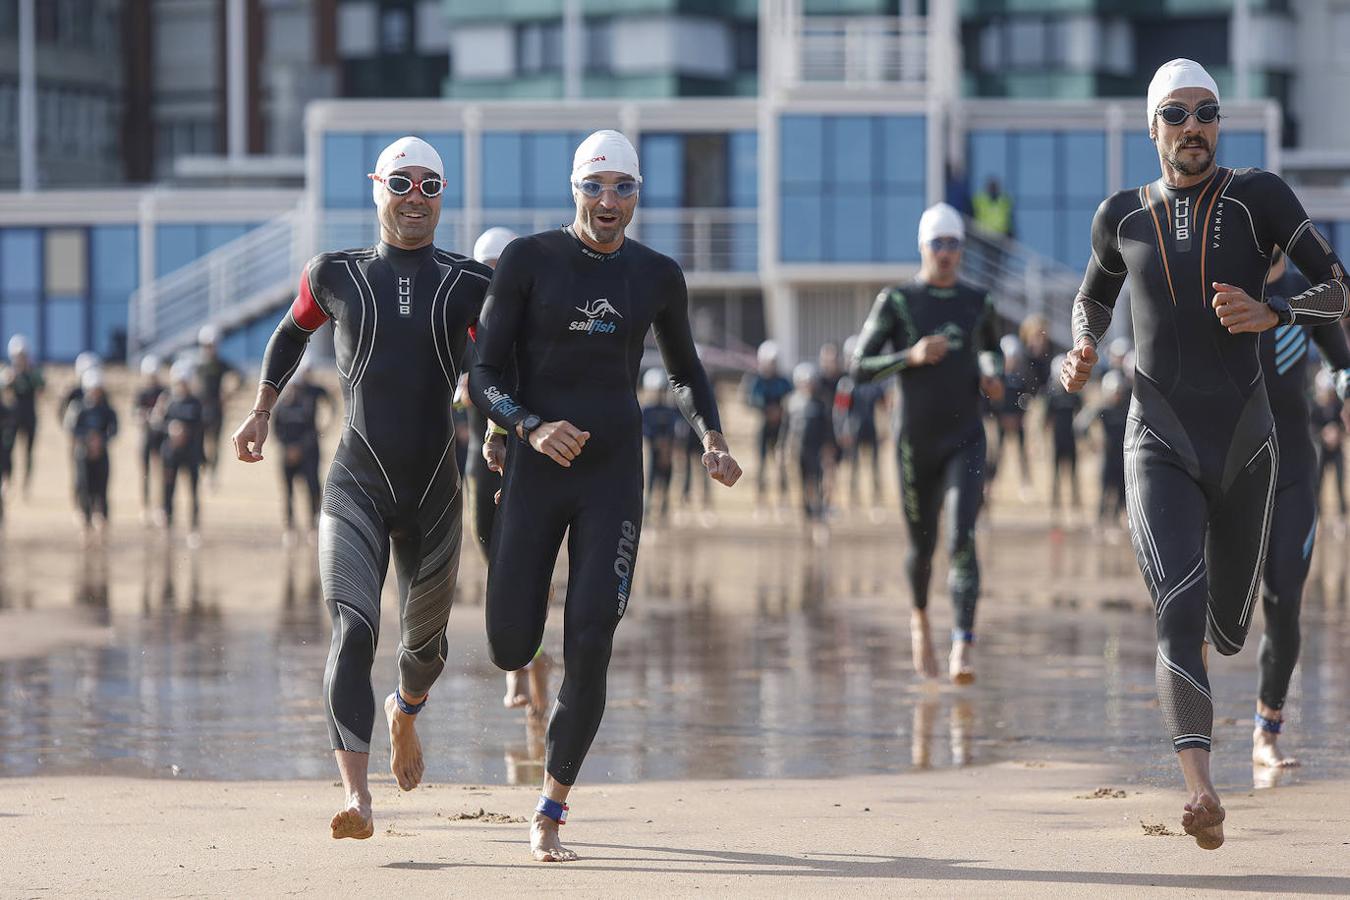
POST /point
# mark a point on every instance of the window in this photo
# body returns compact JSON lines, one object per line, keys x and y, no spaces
{"x":395,"y":31}
{"x":539,"y":47}
{"x":528,"y":170}
{"x":600,"y":45}
{"x":746,"y":46}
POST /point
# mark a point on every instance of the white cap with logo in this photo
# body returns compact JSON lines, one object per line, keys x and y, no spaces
{"x":405,"y":152}
{"x":605,"y":151}
{"x":940,"y":220}
{"x":1175,"y":75}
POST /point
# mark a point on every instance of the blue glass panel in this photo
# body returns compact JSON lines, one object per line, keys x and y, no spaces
{"x":1141,"y":160}
{"x":548,"y":168}
{"x":802,"y":153}
{"x":744,"y":169}
{"x":113,"y":250}
{"x":904,"y":151}
{"x":1083,"y":166}
{"x":65,"y":327}
{"x":800,"y":234}
{"x":744,"y":247}
{"x":1037,"y":229}
{"x":19,"y":315}
{"x":849,"y":150}
{"x":900,"y":227}
{"x":1239,"y":149}
{"x":258,"y":334}
{"x":852,"y":227}
{"x":213,"y":236}
{"x":20,"y":259}
{"x":345,"y":185}
{"x":1075,"y":235}
{"x":988,"y":158}
{"x":502,"y":187}
{"x":175,"y":247}
{"x":663,"y":237}
{"x":1035,"y":168}
{"x":234,"y":345}
{"x":662,"y":170}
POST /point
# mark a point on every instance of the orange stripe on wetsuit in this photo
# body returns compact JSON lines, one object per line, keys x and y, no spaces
{"x":1162,"y":244}
{"x":1225,"y":177}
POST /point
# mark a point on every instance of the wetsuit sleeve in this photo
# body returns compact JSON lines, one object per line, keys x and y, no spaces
{"x":1282,"y":222}
{"x":688,"y":379}
{"x":987,"y":340}
{"x":1102,"y":281}
{"x":882,"y":326}
{"x":490,"y":381}
{"x":288,"y":342}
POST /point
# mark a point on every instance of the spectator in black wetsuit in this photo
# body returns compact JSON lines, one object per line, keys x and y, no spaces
{"x":392,"y":492}
{"x":179,"y":417}
{"x":812,"y":443}
{"x":945,"y":351}
{"x":27,"y":385}
{"x":660,"y":419}
{"x":92,"y":424}
{"x":1202,"y":455}
{"x":1284,"y":365}
{"x":766,"y":390}
{"x":571,"y":308}
{"x":217,"y":379}
{"x":1061,"y":413}
{"x":295,"y":419}
{"x":152,"y":439}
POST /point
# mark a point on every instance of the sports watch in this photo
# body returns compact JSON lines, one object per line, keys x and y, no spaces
{"x":1280,"y":307}
{"x":529,"y":424}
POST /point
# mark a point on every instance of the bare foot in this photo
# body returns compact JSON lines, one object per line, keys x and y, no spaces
{"x":356,"y":821}
{"x":405,"y":750}
{"x":514,"y":698}
{"x":1203,"y":820}
{"x":1266,"y":750}
{"x":539,"y":693}
{"x":545,"y":844}
{"x":959,"y":665}
{"x":921,"y":646}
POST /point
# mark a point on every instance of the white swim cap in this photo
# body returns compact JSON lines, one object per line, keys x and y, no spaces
{"x":18,"y":344}
{"x":804,"y":373}
{"x":207,"y":335}
{"x":92,"y":378}
{"x":149,"y":364}
{"x":86,"y":361}
{"x":491,"y":243}
{"x":1119,"y":347}
{"x":940,"y":220}
{"x":654,"y":379}
{"x":1175,"y":75}
{"x":1112,"y":381}
{"x":409,"y":151}
{"x":605,"y":151}
{"x":767,"y":352}
{"x":182,"y":370}
{"x":1010,"y":345}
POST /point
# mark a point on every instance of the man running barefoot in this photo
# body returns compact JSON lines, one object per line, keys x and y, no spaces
{"x":400,"y":313}
{"x":944,"y":350}
{"x":1201,"y":455}
{"x":572,"y":308}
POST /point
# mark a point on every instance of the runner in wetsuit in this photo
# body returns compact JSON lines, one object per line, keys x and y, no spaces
{"x":27,"y":384}
{"x":400,"y":313}
{"x":945,"y":350}
{"x":295,"y":419}
{"x":766,"y":390}
{"x":572,"y":308}
{"x":179,"y":417}
{"x":1202,"y":455}
{"x":1284,"y":358}
{"x":147,"y":398}
{"x":216,"y":380}
{"x":92,"y":423}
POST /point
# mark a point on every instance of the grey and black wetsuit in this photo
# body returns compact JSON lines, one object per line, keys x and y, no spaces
{"x":574,"y":321}
{"x":400,"y":321}
{"x":1284,"y":362}
{"x":940,"y":442}
{"x":1201,"y":453}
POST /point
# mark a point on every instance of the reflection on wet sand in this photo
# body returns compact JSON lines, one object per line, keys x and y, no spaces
{"x":739,"y":657}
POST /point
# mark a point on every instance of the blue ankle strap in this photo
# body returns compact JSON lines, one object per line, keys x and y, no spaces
{"x":963,"y":636}
{"x":410,"y":709}
{"x":1272,"y":725}
{"x":552,"y":809}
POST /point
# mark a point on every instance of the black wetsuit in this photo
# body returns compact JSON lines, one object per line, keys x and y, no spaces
{"x":9,"y":426}
{"x":659,"y":429}
{"x":181,"y":450}
{"x":152,"y":438}
{"x":27,"y":385}
{"x":811,"y":440}
{"x":400,"y":323}
{"x":768,"y":394}
{"x":574,"y":321}
{"x":1114,"y":421}
{"x":940,"y":443}
{"x":295,"y":423}
{"x":1061,"y":409}
{"x":92,"y":425}
{"x":1284,"y":362}
{"x":1201,"y":454}
{"x":211,"y":374}
{"x":480,"y":483}
{"x":860,"y":423}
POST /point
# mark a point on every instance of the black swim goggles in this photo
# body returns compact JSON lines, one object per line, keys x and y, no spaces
{"x":398,"y":185}
{"x":1175,"y":114}
{"x":593,"y":189}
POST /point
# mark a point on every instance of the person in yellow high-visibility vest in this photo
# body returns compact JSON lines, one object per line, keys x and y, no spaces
{"x":993,"y":209}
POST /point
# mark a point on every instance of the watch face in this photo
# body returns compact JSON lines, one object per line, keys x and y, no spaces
{"x":530,"y":423}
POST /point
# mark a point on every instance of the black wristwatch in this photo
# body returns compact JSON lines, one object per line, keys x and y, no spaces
{"x":529,"y":424}
{"x":1280,"y":307}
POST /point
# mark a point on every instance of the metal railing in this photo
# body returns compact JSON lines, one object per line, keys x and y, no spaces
{"x":856,"y":51}
{"x":1022,"y":282}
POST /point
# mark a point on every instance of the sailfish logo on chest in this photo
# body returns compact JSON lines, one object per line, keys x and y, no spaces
{"x":404,"y":296}
{"x":1181,"y":223}
{"x":595,"y":313}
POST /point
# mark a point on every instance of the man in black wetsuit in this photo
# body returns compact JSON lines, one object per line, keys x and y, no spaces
{"x":400,"y":313}
{"x":944,"y":344}
{"x":572,"y":308}
{"x":1284,"y":364}
{"x":152,"y":438}
{"x":179,"y":417}
{"x":295,"y":419}
{"x":217,"y":379}
{"x":27,"y":385}
{"x":92,"y":424}
{"x":1202,"y":455}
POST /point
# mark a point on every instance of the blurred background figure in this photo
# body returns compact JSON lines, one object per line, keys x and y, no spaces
{"x":1034,"y":332}
{"x":858,"y":433}
{"x":27,"y":383}
{"x":1010,"y":415}
{"x":9,"y":426}
{"x":1329,"y":437}
{"x":1110,"y":415}
{"x":765,"y":390}
{"x":92,"y":424}
{"x":295,"y":424}
{"x":812,"y":443}
{"x":659,"y":427}
{"x":217,"y":379}
{"x":1061,"y":414}
{"x":180,"y":416}
{"x":148,"y":394}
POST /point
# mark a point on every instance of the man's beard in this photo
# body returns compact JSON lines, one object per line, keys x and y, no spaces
{"x":1186,"y":167}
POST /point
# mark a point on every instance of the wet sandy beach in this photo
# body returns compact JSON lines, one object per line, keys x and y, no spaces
{"x":170,"y":697}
